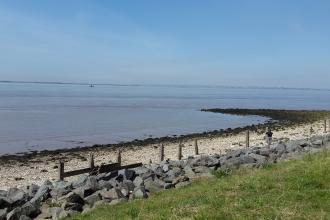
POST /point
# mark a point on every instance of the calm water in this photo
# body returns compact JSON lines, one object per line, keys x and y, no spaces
{"x":40,"y":116}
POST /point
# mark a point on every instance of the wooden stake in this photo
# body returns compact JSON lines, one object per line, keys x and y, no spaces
{"x":325,"y":126}
{"x":119,"y":157}
{"x":196,"y":147}
{"x":247,"y":140}
{"x":61,"y":170}
{"x":180,"y":151}
{"x":161,"y":153}
{"x":91,"y":161}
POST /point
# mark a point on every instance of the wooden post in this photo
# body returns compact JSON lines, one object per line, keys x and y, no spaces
{"x":247,"y":140}
{"x":161,"y":153}
{"x":180,"y":151}
{"x":196,"y":147}
{"x":325,"y":126}
{"x":91,"y":162}
{"x":119,"y":157}
{"x":61,"y":170}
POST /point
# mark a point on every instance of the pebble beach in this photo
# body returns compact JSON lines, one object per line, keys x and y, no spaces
{"x":40,"y":168}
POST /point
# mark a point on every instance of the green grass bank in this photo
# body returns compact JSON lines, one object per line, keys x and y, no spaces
{"x":297,"y":189}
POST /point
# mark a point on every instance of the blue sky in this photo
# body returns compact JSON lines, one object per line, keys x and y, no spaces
{"x":211,"y":42}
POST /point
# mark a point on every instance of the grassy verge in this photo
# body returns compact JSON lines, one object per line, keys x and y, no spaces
{"x":298,"y":189}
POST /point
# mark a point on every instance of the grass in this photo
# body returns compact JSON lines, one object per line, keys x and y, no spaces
{"x":298,"y":189}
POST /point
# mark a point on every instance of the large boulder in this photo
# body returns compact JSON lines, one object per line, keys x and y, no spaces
{"x":111,"y":194}
{"x":3,"y":214}
{"x":42,"y":194}
{"x":92,"y":199}
{"x":128,"y":174}
{"x":30,"y":210}
{"x":15,"y":214}
{"x":17,"y":197}
{"x":153,"y":185}
{"x":4,"y":202}
{"x":140,"y":193}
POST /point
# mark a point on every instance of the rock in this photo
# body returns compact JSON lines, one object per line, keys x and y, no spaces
{"x":245,"y":159}
{"x":83,"y":191}
{"x":203,"y":170}
{"x":3,"y":193}
{"x":14,"y":214}
{"x":168,"y":186}
{"x":42,"y":194}
{"x":111,"y":194}
{"x":74,"y":198}
{"x":31,"y":190}
{"x":24,"y":217}
{"x":3,"y":214}
{"x":105,"y":184}
{"x":30,"y":210}
{"x":205,"y":161}
{"x":80,"y":181}
{"x":17,"y":197}
{"x":4,"y":202}
{"x":188,"y":171}
{"x":60,"y":189}
{"x":138,"y":181}
{"x":166,"y":168}
{"x":127,"y":174}
{"x":292,"y":146}
{"x":180,"y":179}
{"x":72,"y":206}
{"x":92,"y":199}
{"x":107,"y":176}
{"x":55,"y":212}
{"x":141,"y":170}
{"x":260,"y":160}
{"x":140,"y":193}
{"x":182,"y":184}
{"x":233,"y":154}
{"x":128,"y":184}
{"x":153,"y":186}
{"x":92,"y":183}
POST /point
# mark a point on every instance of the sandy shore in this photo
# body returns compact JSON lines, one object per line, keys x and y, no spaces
{"x":41,"y":168}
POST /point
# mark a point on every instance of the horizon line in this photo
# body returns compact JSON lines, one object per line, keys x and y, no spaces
{"x":163,"y":85}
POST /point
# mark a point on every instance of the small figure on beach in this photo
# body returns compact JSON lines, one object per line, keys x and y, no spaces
{"x":269,"y":137}
{"x":311,"y":131}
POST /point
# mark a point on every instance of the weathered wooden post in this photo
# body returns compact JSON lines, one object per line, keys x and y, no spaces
{"x":91,"y":162}
{"x":119,"y":157}
{"x":247,"y":139}
{"x":61,"y":170}
{"x":161,"y":153}
{"x":196,"y":147}
{"x":180,"y":151}
{"x":325,"y":126}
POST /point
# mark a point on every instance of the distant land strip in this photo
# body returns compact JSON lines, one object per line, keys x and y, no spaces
{"x":163,"y":85}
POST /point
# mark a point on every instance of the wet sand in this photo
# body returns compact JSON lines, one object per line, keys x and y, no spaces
{"x":36,"y":168}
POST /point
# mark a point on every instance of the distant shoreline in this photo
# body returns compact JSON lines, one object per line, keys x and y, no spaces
{"x":161,"y":85}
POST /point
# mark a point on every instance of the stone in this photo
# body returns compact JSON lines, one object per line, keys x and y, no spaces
{"x":188,"y":171}
{"x":292,"y":146}
{"x":3,"y":193}
{"x":92,"y":199}
{"x":182,"y":184}
{"x":128,"y":184}
{"x":245,"y":158}
{"x":168,"y":186}
{"x":17,"y":196}
{"x":111,"y":194}
{"x":152,"y":186}
{"x":279,"y":148}
{"x":31,"y":190}
{"x":80,"y":181}
{"x":258,"y":158}
{"x":105,"y":184}
{"x":180,"y":179}
{"x":3,"y":214}
{"x":4,"y":202}
{"x":42,"y":194}
{"x":140,"y":193}
{"x":74,"y":198}
{"x":24,"y":217}
{"x":60,"y":189}
{"x":166,"y":168}
{"x":127,"y":174}
{"x":72,"y":206}
{"x":30,"y":210}
{"x":55,"y":212}
{"x":138,"y":181}
{"x":14,"y":214}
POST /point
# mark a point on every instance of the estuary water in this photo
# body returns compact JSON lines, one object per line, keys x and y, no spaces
{"x":53,"y":116}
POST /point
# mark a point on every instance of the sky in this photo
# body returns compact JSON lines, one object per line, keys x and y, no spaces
{"x":276,"y":43}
